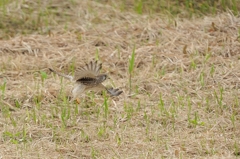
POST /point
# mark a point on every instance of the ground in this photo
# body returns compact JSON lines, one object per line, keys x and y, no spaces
{"x":179,"y":76}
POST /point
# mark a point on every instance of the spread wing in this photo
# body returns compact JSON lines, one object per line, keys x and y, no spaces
{"x":88,"y":78}
{"x":90,"y":70}
{"x":61,"y":74}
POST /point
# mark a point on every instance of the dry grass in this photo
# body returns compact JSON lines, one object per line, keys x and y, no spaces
{"x":184,"y":102}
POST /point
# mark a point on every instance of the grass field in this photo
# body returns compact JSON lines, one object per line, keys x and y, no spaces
{"x":177,"y":63}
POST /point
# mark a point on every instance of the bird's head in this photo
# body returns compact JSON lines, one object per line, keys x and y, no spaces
{"x":102,"y":77}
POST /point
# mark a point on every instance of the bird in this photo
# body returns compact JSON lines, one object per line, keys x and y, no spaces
{"x":88,"y":78}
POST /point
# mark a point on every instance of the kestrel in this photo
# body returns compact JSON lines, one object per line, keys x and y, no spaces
{"x":88,"y":78}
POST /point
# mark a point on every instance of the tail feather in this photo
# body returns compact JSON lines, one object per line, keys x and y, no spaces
{"x":114,"y":92}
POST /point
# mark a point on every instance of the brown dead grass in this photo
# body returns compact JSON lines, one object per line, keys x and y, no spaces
{"x":144,"y":132}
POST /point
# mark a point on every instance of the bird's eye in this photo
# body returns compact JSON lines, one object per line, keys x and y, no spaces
{"x":105,"y":77}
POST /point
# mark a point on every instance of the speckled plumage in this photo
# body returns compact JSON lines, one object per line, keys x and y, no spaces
{"x":88,"y":78}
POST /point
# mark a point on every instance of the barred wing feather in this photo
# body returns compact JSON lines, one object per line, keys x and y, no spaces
{"x":90,"y":70}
